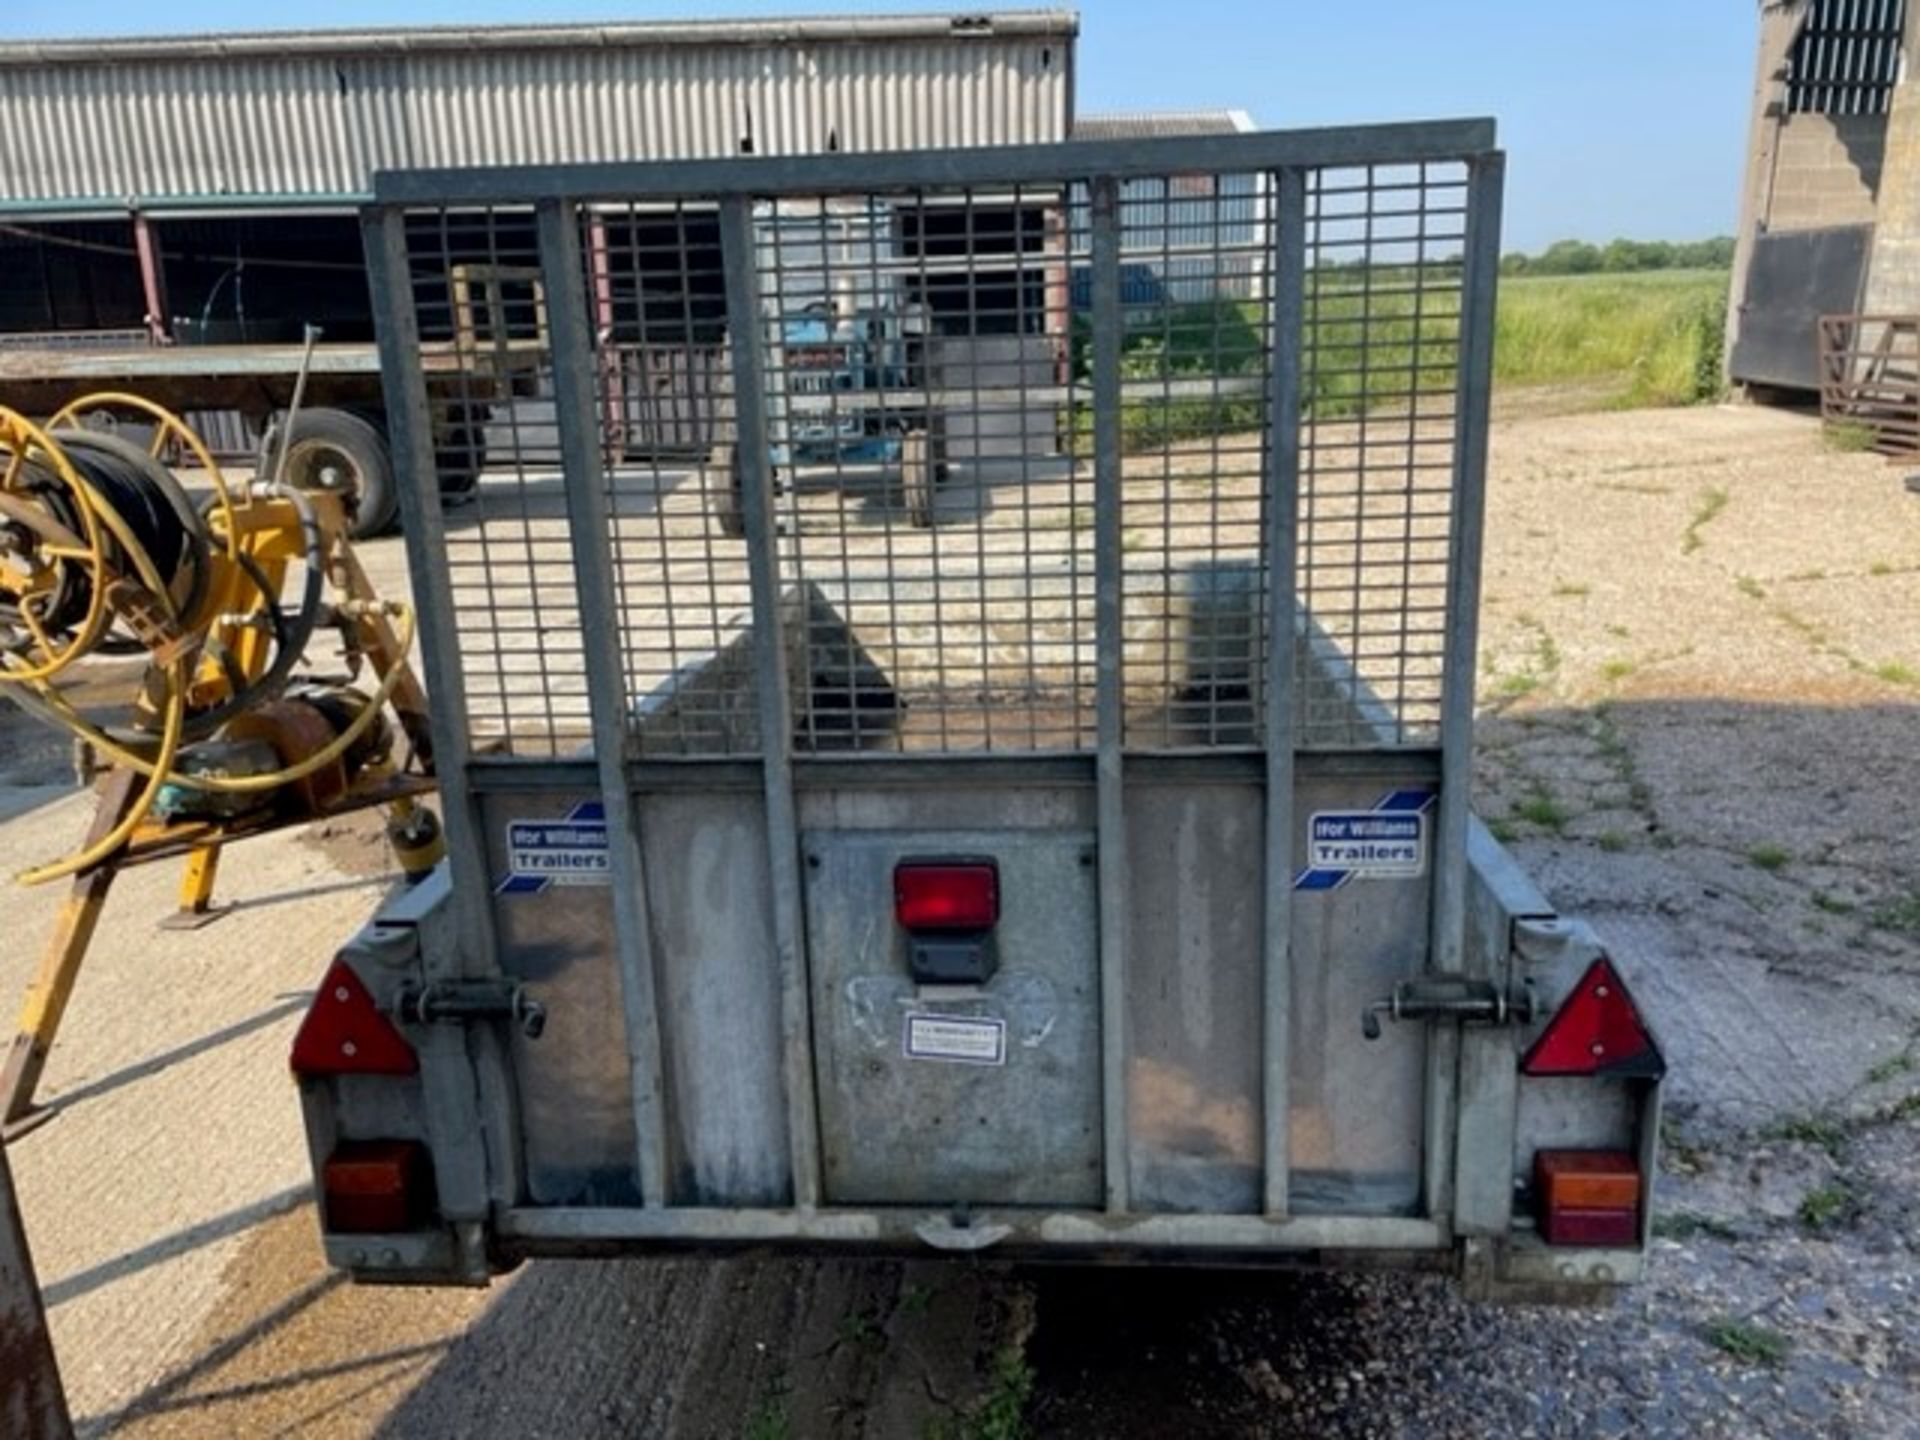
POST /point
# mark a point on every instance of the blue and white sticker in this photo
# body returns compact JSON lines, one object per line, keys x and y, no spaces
{"x":1388,"y":842}
{"x":569,"y":851}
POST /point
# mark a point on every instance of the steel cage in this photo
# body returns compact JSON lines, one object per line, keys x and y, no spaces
{"x":559,"y":219}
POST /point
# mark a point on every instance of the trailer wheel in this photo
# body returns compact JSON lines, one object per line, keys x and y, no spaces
{"x":332,"y":450}
{"x":918,"y":478}
{"x":460,"y":453}
{"x":729,"y":504}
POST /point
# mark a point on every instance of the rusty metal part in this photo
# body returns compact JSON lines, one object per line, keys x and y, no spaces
{"x":31,"y":1399}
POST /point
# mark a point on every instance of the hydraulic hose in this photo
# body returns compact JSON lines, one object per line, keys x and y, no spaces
{"x":57,"y":710}
{"x":136,"y":812}
{"x":111,"y":514}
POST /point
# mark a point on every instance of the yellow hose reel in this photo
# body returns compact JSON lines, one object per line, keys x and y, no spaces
{"x":104,"y":555}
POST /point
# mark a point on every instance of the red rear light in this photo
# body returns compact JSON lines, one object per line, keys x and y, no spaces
{"x":946,"y":894}
{"x":1596,"y":1031}
{"x":370,"y":1187}
{"x":1587,"y":1197}
{"x":345,"y":1033}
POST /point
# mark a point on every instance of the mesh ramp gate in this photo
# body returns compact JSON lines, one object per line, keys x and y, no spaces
{"x":1059,"y":462}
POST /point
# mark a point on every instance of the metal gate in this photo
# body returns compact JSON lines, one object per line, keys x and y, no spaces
{"x":1186,"y":652}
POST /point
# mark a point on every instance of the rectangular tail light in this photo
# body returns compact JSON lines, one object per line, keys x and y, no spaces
{"x":1587,"y":1197}
{"x":950,"y":895}
{"x":372,"y":1187}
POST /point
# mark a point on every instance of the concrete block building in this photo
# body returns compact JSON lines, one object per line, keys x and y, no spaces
{"x":1830,"y":209}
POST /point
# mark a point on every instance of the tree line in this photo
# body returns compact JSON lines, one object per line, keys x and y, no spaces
{"x":1581,"y":257}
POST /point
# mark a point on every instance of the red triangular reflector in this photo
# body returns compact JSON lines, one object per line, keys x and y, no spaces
{"x":1596,"y":1031}
{"x":345,"y":1033}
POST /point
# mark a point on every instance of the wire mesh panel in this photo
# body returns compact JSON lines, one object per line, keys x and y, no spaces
{"x":1380,"y":348}
{"x":656,"y":278}
{"x":934,"y":491}
{"x":1199,"y":331}
{"x":925,"y":355}
{"x":481,"y":309}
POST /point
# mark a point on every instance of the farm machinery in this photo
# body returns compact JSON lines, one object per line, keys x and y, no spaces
{"x":172,"y":637}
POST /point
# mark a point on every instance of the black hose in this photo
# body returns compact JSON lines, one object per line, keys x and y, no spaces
{"x":174,"y":532}
{"x":131,"y":480}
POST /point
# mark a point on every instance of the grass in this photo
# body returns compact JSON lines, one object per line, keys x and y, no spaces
{"x":1895,"y":673}
{"x":1652,"y":338}
{"x":1832,"y":904}
{"x":1002,"y":1414}
{"x":1748,"y":1343}
{"x":1825,"y":1206}
{"x":1886,"y":1070}
{"x":1712,"y":501}
{"x":1570,"y":591}
{"x":1616,"y":669}
{"x":1611,"y":841}
{"x":768,"y":1422}
{"x":1685,"y":1224}
{"x":1543,"y":810}
{"x":1642,"y":339}
{"x":1826,"y":1131}
{"x":1901,"y":915}
{"x":1851,"y":437}
{"x":1768,"y":857}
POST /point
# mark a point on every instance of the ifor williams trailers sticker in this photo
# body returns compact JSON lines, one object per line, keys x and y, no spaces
{"x":1388,"y":842}
{"x":569,"y":851}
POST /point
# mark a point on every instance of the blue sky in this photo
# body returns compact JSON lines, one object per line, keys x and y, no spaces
{"x":1622,"y":118}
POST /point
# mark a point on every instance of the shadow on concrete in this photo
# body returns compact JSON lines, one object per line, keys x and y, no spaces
{"x":166,"y":1393}
{"x":18,"y":800}
{"x":178,"y":1243}
{"x":311,"y":892}
{"x":153,"y":1065}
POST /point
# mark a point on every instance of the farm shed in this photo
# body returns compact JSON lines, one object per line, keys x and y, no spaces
{"x":1830,"y":208}
{"x":202,"y":189}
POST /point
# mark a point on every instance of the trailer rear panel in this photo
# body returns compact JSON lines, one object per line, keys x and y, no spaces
{"x":1013,"y":867}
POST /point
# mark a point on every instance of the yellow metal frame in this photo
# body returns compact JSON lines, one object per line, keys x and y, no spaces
{"x":267,"y":530}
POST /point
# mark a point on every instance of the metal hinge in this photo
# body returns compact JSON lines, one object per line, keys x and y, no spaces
{"x":1451,"y":997}
{"x":462,"y":1000}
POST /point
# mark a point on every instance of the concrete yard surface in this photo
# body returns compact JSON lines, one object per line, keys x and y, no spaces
{"x":1699,"y":688}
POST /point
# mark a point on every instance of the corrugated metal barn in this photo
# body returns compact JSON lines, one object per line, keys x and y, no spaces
{"x":308,"y":117}
{"x":202,"y":190}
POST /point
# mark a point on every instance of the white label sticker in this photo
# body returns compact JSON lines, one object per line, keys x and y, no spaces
{"x":1369,"y":844}
{"x":951,"y":1038}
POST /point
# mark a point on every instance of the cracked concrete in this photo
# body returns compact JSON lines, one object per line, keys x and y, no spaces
{"x":1683,"y":733}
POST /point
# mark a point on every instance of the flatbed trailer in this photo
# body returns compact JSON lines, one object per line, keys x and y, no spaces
{"x":1087,"y":872}
{"x":340,"y":436}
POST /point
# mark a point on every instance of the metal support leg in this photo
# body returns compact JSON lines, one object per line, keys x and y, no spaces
{"x":53,"y":986}
{"x":196,"y":891}
{"x":32,"y":1403}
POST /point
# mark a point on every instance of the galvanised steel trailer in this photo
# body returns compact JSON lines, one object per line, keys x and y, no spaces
{"x":1087,"y":873}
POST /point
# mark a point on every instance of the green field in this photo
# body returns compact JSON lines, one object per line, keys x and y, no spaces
{"x":1651,"y":338}
{"x":1619,"y":340}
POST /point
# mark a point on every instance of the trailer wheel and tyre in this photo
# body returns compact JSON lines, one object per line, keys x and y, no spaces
{"x":332,"y":450}
{"x":729,"y":505}
{"x":923,"y":470}
{"x":918,"y":482}
{"x":460,"y":453}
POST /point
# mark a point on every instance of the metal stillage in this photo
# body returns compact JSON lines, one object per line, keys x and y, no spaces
{"x":999,"y":842}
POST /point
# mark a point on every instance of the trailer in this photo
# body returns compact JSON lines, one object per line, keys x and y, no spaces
{"x":338,"y":441}
{"x":1087,"y":873}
